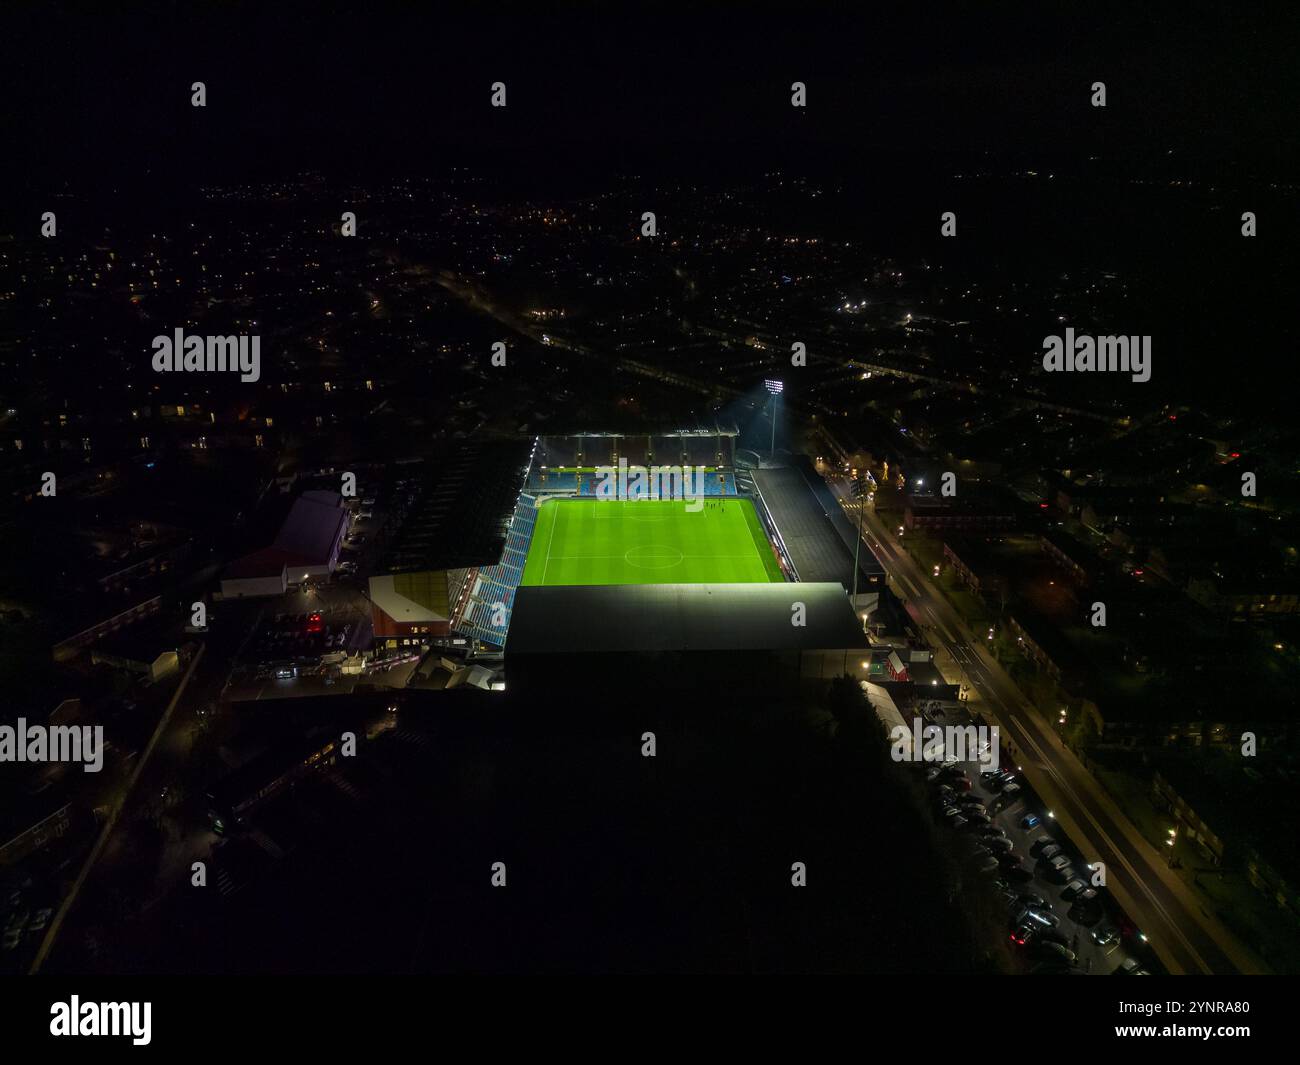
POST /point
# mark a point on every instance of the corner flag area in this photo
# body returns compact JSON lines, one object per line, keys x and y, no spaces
{"x":595,"y":541}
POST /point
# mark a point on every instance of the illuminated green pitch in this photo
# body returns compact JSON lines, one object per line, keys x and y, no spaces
{"x":596,"y":541}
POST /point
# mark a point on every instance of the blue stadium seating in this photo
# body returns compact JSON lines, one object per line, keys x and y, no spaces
{"x":498,"y":584}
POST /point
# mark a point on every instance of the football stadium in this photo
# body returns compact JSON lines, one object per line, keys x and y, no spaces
{"x":591,"y":544}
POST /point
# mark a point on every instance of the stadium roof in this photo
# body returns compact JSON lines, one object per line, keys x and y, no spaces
{"x":462,"y":512}
{"x":690,"y":426}
{"x":629,"y":618}
{"x":412,"y":597}
{"x":813,"y":528}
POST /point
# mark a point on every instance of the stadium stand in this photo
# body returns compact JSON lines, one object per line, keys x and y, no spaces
{"x":557,"y":451}
{"x":808,"y":523}
{"x":499,"y":583}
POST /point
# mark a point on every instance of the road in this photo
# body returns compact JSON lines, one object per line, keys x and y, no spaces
{"x":1186,"y":939}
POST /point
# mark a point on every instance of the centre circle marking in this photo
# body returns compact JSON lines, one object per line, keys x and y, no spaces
{"x":652,"y":556}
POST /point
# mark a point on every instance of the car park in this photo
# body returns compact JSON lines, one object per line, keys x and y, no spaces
{"x":1051,"y":851}
{"x":1040,"y":844}
{"x":1036,"y":902}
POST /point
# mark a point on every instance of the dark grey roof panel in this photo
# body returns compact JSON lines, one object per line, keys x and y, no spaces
{"x":681,"y":617}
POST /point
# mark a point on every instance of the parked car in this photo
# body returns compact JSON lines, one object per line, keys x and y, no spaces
{"x":998,"y":843}
{"x":1035,"y":901}
{"x":1049,"y":852}
{"x":1032,"y":916}
{"x":1030,"y":821}
{"x":1075,"y":889}
{"x":1046,"y":948}
{"x":1106,"y":936}
{"x":1040,"y":844}
{"x":1051,"y":935}
{"x":1062,"y":875}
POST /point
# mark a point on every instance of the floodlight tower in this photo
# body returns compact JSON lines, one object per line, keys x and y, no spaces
{"x":775,"y":388}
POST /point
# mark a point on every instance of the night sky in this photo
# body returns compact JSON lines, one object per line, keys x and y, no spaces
{"x":98,"y":106}
{"x":322,"y":86}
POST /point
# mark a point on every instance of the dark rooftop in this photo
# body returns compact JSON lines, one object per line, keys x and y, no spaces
{"x":816,"y":533}
{"x":463,"y":509}
{"x":681,"y":617}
